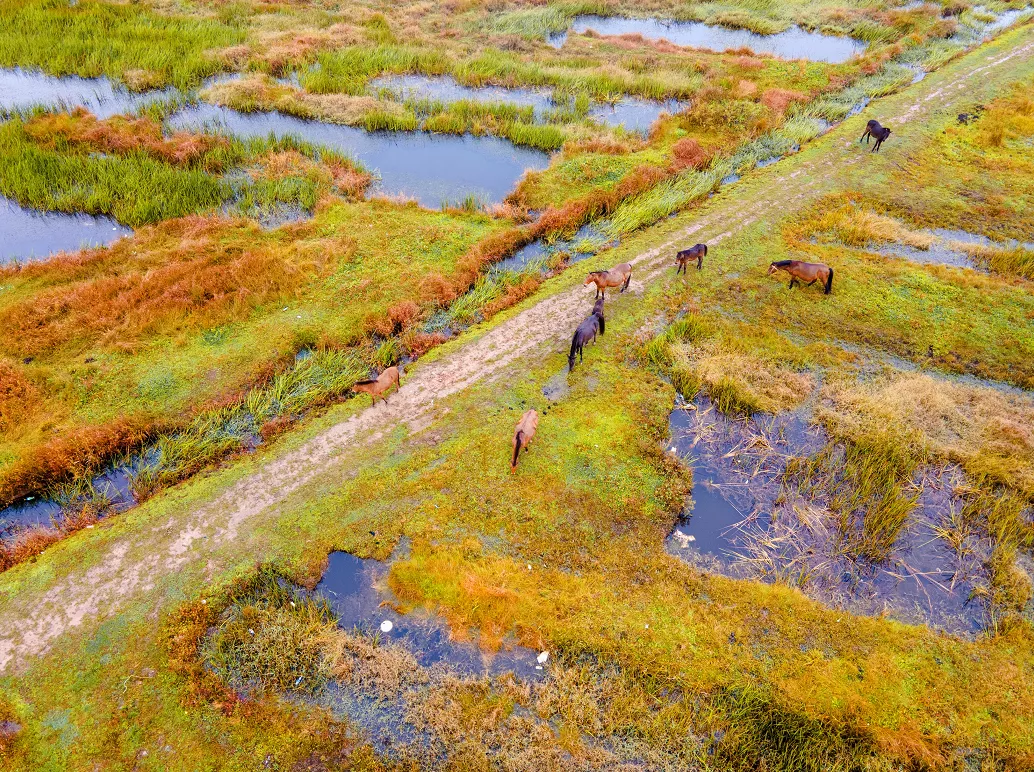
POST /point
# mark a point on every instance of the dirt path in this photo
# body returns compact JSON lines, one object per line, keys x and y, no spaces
{"x":31,"y":624}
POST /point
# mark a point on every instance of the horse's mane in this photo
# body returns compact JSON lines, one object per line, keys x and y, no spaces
{"x":782,"y":263}
{"x":596,"y":273}
{"x":365,"y":383}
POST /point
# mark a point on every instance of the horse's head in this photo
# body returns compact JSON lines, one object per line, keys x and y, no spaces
{"x":772,"y":269}
{"x":591,"y":278}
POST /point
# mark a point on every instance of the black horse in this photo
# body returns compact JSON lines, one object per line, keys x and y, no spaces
{"x":586,"y":333}
{"x":698,"y":253}
{"x":873,"y":129}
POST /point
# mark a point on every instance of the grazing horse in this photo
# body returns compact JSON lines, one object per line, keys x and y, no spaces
{"x":376,"y":387}
{"x":879,"y":133}
{"x":522,"y":435}
{"x":699,"y":252}
{"x":597,"y":311}
{"x":806,"y":272}
{"x":586,"y":332}
{"x":618,"y":276}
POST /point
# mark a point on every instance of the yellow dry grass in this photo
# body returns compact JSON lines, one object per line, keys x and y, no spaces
{"x":773,"y":388}
{"x":989,"y":432}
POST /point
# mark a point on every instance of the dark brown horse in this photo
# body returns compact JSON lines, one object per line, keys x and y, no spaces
{"x":698,"y":253}
{"x":522,"y":435}
{"x":804,"y":272}
{"x":618,"y":276}
{"x":879,"y":133}
{"x":597,"y":311}
{"x":586,"y":333}
{"x":377,"y":386}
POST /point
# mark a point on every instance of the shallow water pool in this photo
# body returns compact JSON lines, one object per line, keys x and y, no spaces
{"x":26,"y":234}
{"x":433,"y":170}
{"x":25,"y":89}
{"x":794,"y":43}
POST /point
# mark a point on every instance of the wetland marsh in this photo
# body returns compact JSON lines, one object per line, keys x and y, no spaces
{"x":759,"y":527}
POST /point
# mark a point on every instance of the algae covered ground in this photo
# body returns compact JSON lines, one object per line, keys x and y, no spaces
{"x":869,"y":604}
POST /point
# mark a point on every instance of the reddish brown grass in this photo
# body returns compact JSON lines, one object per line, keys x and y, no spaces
{"x":688,"y":154}
{"x":26,"y":545}
{"x":275,"y":427}
{"x":77,"y":452}
{"x":122,"y":135}
{"x":745,"y":89}
{"x":572,"y":214}
{"x":223,"y":272}
{"x":603,"y":145}
{"x":19,"y":397}
{"x":291,"y":163}
{"x":514,"y":294}
{"x":749,"y":63}
{"x":419,"y":343}
{"x":779,"y":99}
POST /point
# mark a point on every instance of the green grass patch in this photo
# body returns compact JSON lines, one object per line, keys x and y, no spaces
{"x":134,"y":45}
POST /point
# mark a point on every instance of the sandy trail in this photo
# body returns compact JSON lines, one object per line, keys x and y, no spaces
{"x":29,"y":625}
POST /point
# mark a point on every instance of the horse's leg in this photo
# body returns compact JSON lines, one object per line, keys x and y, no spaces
{"x":793,"y":280}
{"x":700,"y":262}
{"x":812,"y":282}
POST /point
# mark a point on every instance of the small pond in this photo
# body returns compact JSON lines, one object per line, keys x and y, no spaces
{"x":434,"y":170}
{"x":350,"y":585}
{"x":945,"y":249}
{"x":794,"y":43}
{"x":26,"y":234}
{"x":631,"y":113}
{"x":25,"y":89}
{"x":750,"y":520}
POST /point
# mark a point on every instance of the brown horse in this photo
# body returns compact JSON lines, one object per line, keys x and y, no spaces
{"x":522,"y":436}
{"x":804,"y":272}
{"x":618,"y":276}
{"x":698,"y":253}
{"x":376,"y":387}
{"x":874,"y":130}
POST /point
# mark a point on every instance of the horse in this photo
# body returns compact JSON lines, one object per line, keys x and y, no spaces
{"x":522,"y":436}
{"x":377,"y":386}
{"x":698,"y":252}
{"x":597,"y":311}
{"x":807,"y":272}
{"x":618,"y":276}
{"x":586,"y":332}
{"x":879,"y":133}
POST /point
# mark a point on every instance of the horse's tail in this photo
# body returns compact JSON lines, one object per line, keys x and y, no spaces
{"x":829,"y":282}
{"x":705,"y":250}
{"x":516,"y":448}
{"x":574,"y":348}
{"x":628,"y":280}
{"x":603,"y":323}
